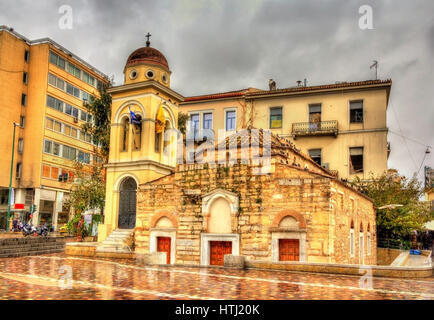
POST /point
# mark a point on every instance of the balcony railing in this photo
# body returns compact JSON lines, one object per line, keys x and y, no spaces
{"x":323,"y":128}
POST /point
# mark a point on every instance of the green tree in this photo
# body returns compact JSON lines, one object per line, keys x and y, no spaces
{"x":182,"y":122}
{"x":99,"y":128}
{"x":87,"y":192}
{"x":396,"y":222}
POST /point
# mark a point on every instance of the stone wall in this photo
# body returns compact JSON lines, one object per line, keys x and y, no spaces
{"x":352,"y":207}
{"x":263,"y":201}
{"x":386,"y":256}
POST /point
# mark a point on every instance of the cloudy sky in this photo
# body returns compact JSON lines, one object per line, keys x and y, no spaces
{"x":223,"y":45}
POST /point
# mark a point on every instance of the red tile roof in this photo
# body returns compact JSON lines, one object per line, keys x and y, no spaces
{"x":321,"y":87}
{"x":253,"y":92}
{"x":221,"y":95}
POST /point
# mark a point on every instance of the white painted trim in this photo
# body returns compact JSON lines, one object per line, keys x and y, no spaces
{"x":299,"y":235}
{"x":205,"y":238}
{"x":170,"y":233}
{"x":129,"y":101}
{"x":122,"y":177}
{"x":209,"y":198}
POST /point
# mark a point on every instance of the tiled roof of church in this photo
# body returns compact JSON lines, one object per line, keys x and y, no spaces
{"x":279,"y":146}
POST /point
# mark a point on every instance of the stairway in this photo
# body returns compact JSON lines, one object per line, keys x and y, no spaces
{"x":18,"y":247}
{"x":119,"y":241}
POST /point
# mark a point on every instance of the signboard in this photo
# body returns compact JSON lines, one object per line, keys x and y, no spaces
{"x":19,"y":206}
{"x":48,"y":195}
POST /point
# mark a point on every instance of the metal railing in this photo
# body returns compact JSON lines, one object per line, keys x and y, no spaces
{"x":315,"y":128}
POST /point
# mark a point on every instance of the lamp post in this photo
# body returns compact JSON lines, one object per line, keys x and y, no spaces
{"x":10,"y":178}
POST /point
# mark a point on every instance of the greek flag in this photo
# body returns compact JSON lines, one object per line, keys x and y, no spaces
{"x":133,"y":117}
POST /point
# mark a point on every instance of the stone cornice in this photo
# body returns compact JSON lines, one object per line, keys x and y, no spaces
{"x":146,"y":84}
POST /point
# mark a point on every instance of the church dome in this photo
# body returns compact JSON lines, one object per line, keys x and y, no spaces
{"x":147,"y":55}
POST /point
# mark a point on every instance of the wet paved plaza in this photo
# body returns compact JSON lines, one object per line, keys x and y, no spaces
{"x":48,"y":277}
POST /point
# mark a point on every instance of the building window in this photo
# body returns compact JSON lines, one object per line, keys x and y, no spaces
{"x":125,"y":134}
{"x":74,"y":70}
{"x":45,"y":171}
{"x":315,"y":154}
{"x":26,"y":55}
{"x":314,"y":116}
{"x":18,"y":172}
{"x":195,"y":120}
{"x":25,"y":78}
{"x":22,"y":121}
{"x":23,"y":99}
{"x":20,"y":145}
{"x":356,"y":111}
{"x":207,"y":120}
{"x":58,"y":61}
{"x":276,"y":118}
{"x":356,"y":160}
{"x":231,"y":120}
{"x":54,"y":103}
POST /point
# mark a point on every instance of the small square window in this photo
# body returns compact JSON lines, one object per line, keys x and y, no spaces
{"x":26,"y":56}
{"x":315,"y":154}
{"x":231,"y":118}
{"x":49,"y":123}
{"x":23,"y":99}
{"x":207,"y":120}
{"x":18,"y":172}
{"x":22,"y":121}
{"x":356,"y":111}
{"x":20,"y":145}
{"x":25,"y":78}
{"x":356,"y":160}
{"x":276,"y":118}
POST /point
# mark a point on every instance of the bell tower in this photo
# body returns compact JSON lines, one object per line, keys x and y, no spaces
{"x":142,"y":139}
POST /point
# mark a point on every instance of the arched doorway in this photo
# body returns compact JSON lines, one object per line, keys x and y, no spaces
{"x":127,"y":204}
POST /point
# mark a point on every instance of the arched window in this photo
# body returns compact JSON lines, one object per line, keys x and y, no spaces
{"x":361,"y":226}
{"x":352,"y":240}
{"x":137,"y":134}
{"x":125,"y":132}
{"x":220,"y":217}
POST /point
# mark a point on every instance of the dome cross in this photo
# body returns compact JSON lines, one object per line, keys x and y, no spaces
{"x":148,"y":43}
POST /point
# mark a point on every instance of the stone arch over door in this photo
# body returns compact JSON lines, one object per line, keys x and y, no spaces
{"x":288,"y":225}
{"x":127,"y":203}
{"x":226,"y":199}
{"x":163,"y":224}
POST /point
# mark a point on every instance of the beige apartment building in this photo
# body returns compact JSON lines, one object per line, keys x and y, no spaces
{"x":342,"y":126}
{"x":43,"y":89}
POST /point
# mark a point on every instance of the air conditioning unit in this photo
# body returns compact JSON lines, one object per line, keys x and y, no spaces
{"x":326,"y":166}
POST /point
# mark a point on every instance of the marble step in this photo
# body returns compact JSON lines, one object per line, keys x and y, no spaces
{"x":31,"y":249}
{"x":31,"y":253}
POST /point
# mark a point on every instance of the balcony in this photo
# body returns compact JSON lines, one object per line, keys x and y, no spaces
{"x":323,"y":128}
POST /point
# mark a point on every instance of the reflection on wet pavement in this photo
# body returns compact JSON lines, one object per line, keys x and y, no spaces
{"x":58,"y":276}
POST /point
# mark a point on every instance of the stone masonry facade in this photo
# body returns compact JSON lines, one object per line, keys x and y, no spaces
{"x":324,"y":208}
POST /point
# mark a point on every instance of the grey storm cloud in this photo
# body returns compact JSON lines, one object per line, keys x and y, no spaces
{"x":223,"y":45}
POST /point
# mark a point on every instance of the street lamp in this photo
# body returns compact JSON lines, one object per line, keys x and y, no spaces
{"x":10,"y":178}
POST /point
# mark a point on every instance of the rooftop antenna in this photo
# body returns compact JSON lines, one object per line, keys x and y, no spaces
{"x":375,"y":65}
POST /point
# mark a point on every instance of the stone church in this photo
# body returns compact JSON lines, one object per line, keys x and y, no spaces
{"x":197,"y":212}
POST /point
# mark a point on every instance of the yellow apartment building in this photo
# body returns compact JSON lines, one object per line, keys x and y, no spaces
{"x":342,"y":126}
{"x":43,"y":89}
